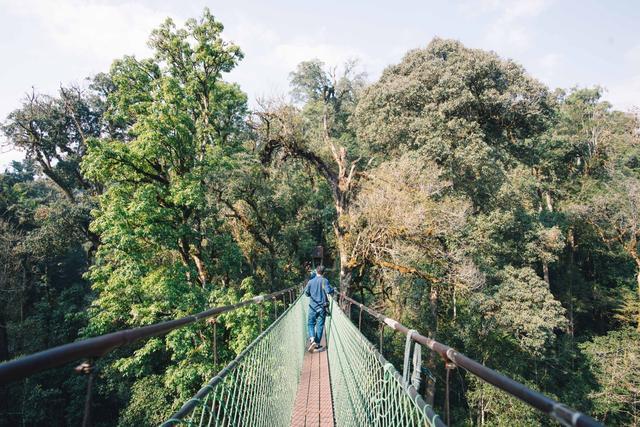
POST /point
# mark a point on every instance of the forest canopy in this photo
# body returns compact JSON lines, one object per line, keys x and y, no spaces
{"x":456,"y":193}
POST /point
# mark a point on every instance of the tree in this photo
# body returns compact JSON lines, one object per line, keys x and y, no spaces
{"x":324,"y":144}
{"x":469,"y":111}
{"x":405,"y":229}
{"x":524,"y":307}
{"x":276,"y":215}
{"x":166,"y":245}
{"x":184,"y":132}
{"x":42,"y":292}
{"x":53,"y":133}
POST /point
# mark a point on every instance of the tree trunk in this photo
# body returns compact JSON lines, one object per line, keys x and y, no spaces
{"x":346,"y":269}
{"x":638,"y":283}
{"x":545,"y":272}
{"x":549,"y":202}
{"x":572,"y":252}
{"x":636,"y":258}
{"x":482,"y":407}
{"x":340,"y":229}
{"x":4,"y":391}
{"x":203,"y":274}
{"x":4,"y":341}
{"x":273,"y":270}
{"x":545,"y":264}
{"x":346,"y":274}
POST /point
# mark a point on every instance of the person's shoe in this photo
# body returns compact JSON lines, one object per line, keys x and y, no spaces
{"x":318,"y":349}
{"x":312,"y":345}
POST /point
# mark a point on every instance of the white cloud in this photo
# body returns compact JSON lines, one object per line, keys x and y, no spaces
{"x":514,"y":10}
{"x":68,"y":40}
{"x":512,"y":35}
{"x":625,"y":94}
{"x":548,"y":66}
{"x":510,"y":29}
{"x":7,"y":155}
{"x":632,"y":57}
{"x":271,"y":54}
{"x":96,"y":29}
{"x":291,"y":54}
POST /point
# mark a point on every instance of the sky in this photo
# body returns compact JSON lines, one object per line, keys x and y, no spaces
{"x":563,"y":43}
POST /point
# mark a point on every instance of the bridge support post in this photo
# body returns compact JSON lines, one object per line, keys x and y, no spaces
{"x":87,"y":368}
{"x":214,"y":322}
{"x":449,"y":366}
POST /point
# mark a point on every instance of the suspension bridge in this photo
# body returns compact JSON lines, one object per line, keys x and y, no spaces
{"x":275,"y":382}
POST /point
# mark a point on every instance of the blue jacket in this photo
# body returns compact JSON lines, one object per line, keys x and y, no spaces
{"x":315,"y":292}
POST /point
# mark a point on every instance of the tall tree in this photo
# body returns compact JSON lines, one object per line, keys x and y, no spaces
{"x":53,"y":132}
{"x":328,"y":144}
{"x":186,"y":126}
{"x":166,"y":247}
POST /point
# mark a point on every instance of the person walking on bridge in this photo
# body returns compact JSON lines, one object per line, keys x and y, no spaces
{"x":317,"y":290}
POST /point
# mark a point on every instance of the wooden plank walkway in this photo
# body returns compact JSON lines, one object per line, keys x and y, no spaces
{"x":314,"y":405}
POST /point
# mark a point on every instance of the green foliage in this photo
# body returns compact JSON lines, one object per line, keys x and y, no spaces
{"x":42,"y":293}
{"x":187,"y":212}
{"x":468,"y":110}
{"x":151,"y":403}
{"x":552,"y":182}
{"x":526,"y":310}
{"x":162,"y":235}
{"x":495,"y":408}
{"x":615,"y":359}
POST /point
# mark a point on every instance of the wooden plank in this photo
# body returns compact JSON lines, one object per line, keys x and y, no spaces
{"x":314,"y":405}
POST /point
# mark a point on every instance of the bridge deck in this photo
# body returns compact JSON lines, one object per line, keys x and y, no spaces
{"x":314,"y":404}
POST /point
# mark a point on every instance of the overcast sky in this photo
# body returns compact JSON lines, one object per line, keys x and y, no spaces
{"x":45,"y":43}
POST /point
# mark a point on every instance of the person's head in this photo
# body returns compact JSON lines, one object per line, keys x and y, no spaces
{"x":320,"y":270}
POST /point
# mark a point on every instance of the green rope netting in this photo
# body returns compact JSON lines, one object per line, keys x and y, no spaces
{"x":258,"y":388}
{"x":366,"y":389}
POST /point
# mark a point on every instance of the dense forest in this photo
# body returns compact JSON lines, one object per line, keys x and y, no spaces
{"x":457,"y":193}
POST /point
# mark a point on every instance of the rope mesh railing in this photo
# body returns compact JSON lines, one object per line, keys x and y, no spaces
{"x":452,"y":358}
{"x":367,"y":390}
{"x":258,"y":388}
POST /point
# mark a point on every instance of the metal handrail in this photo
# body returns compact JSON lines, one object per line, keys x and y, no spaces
{"x":99,"y":346}
{"x":560,"y":412}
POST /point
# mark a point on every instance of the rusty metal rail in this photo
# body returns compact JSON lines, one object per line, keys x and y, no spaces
{"x":560,"y":412}
{"x":93,"y":348}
